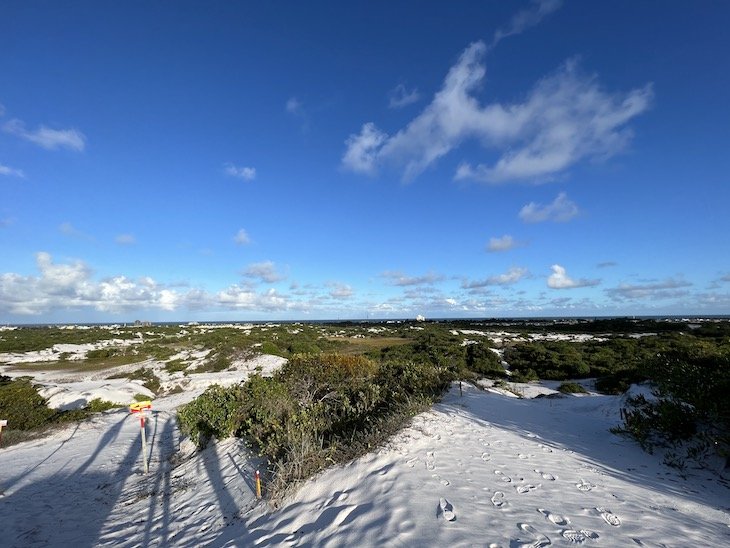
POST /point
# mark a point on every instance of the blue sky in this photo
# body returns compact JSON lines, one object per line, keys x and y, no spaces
{"x":325,"y":160}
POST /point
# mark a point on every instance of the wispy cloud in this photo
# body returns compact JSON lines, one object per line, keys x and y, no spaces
{"x":6,"y":222}
{"x":402,"y":280}
{"x":400,"y":97}
{"x":566,"y":117}
{"x":505,"y":243}
{"x":526,"y":18}
{"x":242,"y":237}
{"x":667,"y":289}
{"x":125,"y":239}
{"x":560,"y":210}
{"x":245,"y":173}
{"x":11,"y":172}
{"x":512,"y":276}
{"x":294,"y":106}
{"x":264,"y":271}
{"x":46,"y":137}
{"x":339,"y":290}
{"x":70,"y":230}
{"x":559,"y":279}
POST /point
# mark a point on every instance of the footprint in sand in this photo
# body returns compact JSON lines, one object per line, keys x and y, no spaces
{"x":609,"y":517}
{"x":523,"y":456}
{"x":557,"y":519}
{"x":501,"y":476}
{"x":447,"y":509}
{"x":545,"y":475}
{"x":583,"y":485}
{"x":412,"y":462}
{"x":579,"y":537}
{"x":442,"y":481}
{"x":522,"y":489}
{"x":430,"y":465}
{"x":498,"y":499}
{"x":539,"y":541}
{"x":486,"y":456}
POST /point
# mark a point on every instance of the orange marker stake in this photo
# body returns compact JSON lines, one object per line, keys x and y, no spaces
{"x":258,"y":485}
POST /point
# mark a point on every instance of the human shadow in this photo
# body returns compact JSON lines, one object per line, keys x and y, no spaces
{"x":69,"y":507}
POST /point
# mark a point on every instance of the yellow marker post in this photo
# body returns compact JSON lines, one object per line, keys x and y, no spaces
{"x":258,"y":485}
{"x":139,"y":407}
{"x":2,"y":423}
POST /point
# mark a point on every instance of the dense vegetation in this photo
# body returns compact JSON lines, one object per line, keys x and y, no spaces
{"x":26,"y":411}
{"x":317,"y":410}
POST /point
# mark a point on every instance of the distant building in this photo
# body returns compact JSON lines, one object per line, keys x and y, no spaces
{"x":140,"y":323}
{"x":420,"y":318}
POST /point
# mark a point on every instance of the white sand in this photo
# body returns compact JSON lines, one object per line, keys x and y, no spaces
{"x":477,"y":470}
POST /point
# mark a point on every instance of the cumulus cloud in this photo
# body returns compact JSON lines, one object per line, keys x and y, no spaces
{"x":559,"y":279}
{"x":245,"y":173}
{"x":46,"y":137}
{"x":125,"y":239}
{"x":526,"y":18}
{"x":400,"y":97}
{"x":667,"y":289}
{"x":560,"y":210}
{"x":242,"y":237}
{"x":512,"y":276}
{"x":566,"y":117}
{"x":70,"y":286}
{"x":402,"y":280}
{"x":11,"y":172}
{"x":505,"y":243}
{"x":264,"y":271}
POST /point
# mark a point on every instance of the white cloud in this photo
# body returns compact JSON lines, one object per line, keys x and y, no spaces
{"x":242,"y":237}
{"x":294,"y":106}
{"x":505,"y":243}
{"x":400,"y":97}
{"x":339,"y":290}
{"x":11,"y":172}
{"x":264,"y":271}
{"x":560,"y":210}
{"x":125,"y":239}
{"x":46,"y":137}
{"x":237,"y":297}
{"x":362,"y":151}
{"x":666,"y":289}
{"x":512,"y":276}
{"x":567,"y":117}
{"x":401,"y":280}
{"x":245,"y":173}
{"x":559,"y":279}
{"x":68,"y":229}
{"x":527,"y":18}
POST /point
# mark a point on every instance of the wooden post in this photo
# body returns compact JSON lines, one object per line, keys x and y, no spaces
{"x":2,"y":423}
{"x":258,"y":485}
{"x":139,"y":407}
{"x":144,"y":442}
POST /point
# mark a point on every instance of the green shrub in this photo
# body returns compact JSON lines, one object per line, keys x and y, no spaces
{"x":22,"y":406}
{"x":571,"y":388}
{"x":213,"y":413}
{"x":484,"y":361}
{"x":317,"y":410}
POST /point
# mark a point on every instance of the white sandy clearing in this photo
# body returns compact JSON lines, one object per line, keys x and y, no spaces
{"x":477,"y":470}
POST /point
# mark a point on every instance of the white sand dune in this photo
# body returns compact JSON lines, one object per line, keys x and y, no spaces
{"x":478,"y":470}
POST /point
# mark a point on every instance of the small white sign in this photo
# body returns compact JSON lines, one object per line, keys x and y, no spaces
{"x":3,"y":423}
